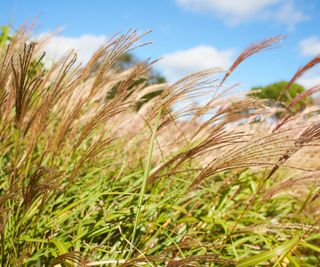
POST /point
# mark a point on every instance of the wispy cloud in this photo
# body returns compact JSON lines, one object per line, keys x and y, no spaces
{"x":288,"y":14}
{"x":180,"y":63}
{"x":84,"y":45}
{"x":310,"y":46}
{"x":310,"y":80}
{"x":234,"y":12}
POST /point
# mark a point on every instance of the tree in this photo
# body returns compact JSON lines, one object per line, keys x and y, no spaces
{"x":277,"y":97}
{"x":128,"y":60}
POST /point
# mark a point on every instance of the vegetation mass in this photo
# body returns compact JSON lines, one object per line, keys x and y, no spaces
{"x":100,"y":166}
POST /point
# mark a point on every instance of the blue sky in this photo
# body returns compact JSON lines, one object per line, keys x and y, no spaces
{"x":189,"y":35}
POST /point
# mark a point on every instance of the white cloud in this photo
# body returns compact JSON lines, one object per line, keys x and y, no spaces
{"x":84,"y":45}
{"x":181,"y":63}
{"x":237,"y":11}
{"x":309,"y":81}
{"x":310,"y":46}
{"x":288,"y":14}
{"x":234,"y":9}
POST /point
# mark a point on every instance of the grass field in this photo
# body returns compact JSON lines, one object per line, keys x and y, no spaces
{"x":88,"y":181}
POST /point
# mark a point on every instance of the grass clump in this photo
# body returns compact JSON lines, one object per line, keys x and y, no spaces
{"x":88,"y":180}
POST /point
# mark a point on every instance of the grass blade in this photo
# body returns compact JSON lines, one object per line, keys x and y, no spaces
{"x":281,"y":250}
{"x":144,"y":181}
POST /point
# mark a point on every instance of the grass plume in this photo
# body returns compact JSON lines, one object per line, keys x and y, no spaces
{"x":88,"y":179}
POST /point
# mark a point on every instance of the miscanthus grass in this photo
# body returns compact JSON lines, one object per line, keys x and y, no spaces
{"x":87,"y":180}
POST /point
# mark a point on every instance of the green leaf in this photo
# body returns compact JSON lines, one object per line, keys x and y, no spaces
{"x":311,"y":246}
{"x":281,"y":250}
{"x":61,"y":246}
{"x":144,"y":180}
{"x":30,"y":239}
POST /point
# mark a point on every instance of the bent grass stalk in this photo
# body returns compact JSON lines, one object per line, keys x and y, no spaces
{"x":144,"y":182}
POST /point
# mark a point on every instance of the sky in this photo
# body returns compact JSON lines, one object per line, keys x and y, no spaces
{"x":187,"y":35}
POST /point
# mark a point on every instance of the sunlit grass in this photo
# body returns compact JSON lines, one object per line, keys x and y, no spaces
{"x":86,"y":180}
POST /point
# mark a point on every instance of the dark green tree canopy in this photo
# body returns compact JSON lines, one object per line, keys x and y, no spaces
{"x":127,"y":61}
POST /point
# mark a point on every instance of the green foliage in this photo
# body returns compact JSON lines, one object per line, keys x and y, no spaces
{"x":127,"y":61}
{"x":5,"y":35}
{"x":274,"y":93}
{"x":76,"y":181}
